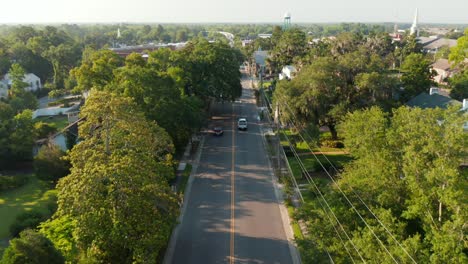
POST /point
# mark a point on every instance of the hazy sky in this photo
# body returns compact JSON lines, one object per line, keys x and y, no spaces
{"x":243,"y":11}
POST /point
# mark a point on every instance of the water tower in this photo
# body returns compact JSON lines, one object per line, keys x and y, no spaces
{"x":287,"y":21}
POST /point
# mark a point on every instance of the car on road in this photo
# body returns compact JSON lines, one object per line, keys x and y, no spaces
{"x":218,"y":131}
{"x":242,"y":124}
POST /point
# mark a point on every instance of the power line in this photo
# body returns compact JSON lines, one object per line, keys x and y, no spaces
{"x":347,"y":199}
{"x":290,"y":174}
{"x":309,"y":179}
{"x":354,"y":192}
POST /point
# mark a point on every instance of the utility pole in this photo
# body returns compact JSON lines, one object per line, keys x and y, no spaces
{"x":279,"y":137}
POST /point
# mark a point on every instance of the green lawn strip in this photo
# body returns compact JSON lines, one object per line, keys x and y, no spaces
{"x":311,"y":164}
{"x":60,"y":122}
{"x":185,"y":177}
{"x":33,"y":195}
{"x":266,"y":84}
{"x":297,"y":230}
{"x":61,"y":102}
{"x":295,"y":225}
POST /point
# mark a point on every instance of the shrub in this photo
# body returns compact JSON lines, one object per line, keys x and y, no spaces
{"x":44,"y":130}
{"x":60,"y":231}
{"x":316,"y":167}
{"x":52,"y":205}
{"x":329,"y":143}
{"x":31,"y":247}
{"x":27,"y":220}
{"x":288,"y":151}
{"x":12,"y":182}
{"x":49,"y":164}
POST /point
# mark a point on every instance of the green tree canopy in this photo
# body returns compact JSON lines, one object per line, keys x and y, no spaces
{"x":407,"y":172}
{"x":460,"y":52}
{"x":211,"y":69}
{"x":459,"y":85}
{"x":96,"y":69}
{"x":31,"y":248}
{"x":49,"y":163}
{"x":117,"y":192}
{"x":19,"y":98}
{"x":417,"y":75}
{"x":22,"y":137}
{"x":290,"y":46}
{"x":324,"y":91}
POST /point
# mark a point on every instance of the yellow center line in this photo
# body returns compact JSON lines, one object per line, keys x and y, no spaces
{"x":231,"y":258}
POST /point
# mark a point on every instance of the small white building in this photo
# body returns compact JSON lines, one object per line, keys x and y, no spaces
{"x":34,"y":82}
{"x":265,"y":36}
{"x":246,"y":42}
{"x":288,"y":72}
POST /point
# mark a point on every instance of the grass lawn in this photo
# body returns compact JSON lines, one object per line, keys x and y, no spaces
{"x":303,"y":147}
{"x":60,"y":121}
{"x":267,"y":84}
{"x":311,"y":164}
{"x":34,"y":194}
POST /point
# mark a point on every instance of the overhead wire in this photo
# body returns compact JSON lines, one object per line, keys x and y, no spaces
{"x":310,"y":180}
{"x":353,"y":191}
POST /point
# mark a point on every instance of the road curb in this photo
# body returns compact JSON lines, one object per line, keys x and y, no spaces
{"x":172,"y":242}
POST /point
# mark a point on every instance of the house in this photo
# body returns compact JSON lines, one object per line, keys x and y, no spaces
{"x":433,"y":99}
{"x":34,"y":82}
{"x":443,"y":69}
{"x":436,"y":99}
{"x":246,"y":42}
{"x":288,"y":72}
{"x":58,"y":139}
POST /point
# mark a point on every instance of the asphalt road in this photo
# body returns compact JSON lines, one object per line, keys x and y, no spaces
{"x":232,"y":214}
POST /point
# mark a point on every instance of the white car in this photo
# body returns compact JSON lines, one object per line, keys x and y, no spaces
{"x":242,"y":124}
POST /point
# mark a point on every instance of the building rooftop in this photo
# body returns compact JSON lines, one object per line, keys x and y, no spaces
{"x":438,"y":43}
{"x":424,"y":100}
{"x":442,"y":64}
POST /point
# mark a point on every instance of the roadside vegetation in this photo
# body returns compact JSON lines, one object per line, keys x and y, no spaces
{"x":58,"y":122}
{"x":108,"y":199}
{"x":185,"y":178}
{"x":385,"y":182}
{"x":19,"y":203}
{"x":139,"y":114}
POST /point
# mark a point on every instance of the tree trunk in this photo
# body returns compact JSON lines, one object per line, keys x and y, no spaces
{"x":440,"y":205}
{"x":440,"y":212}
{"x":333,"y":132}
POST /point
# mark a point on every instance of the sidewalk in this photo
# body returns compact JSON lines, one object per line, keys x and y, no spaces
{"x":188,"y":157}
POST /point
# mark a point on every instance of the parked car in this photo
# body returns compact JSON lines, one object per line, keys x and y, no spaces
{"x":218,"y":131}
{"x":242,"y":124}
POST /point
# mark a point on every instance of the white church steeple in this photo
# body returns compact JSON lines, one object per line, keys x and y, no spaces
{"x":414,"y":28}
